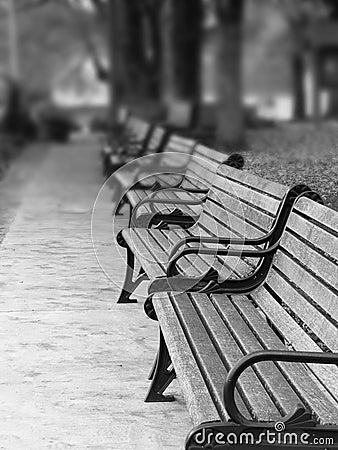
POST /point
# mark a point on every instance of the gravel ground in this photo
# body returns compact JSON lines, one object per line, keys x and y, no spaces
{"x":297,"y":153}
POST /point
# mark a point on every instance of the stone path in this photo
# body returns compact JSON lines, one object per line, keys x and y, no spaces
{"x":73,"y":364}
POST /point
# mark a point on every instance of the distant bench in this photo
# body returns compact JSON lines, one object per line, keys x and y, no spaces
{"x":221,"y":305}
{"x":182,"y":176}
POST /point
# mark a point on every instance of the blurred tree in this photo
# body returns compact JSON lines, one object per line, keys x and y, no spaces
{"x":228,"y":67}
{"x":49,"y":38}
{"x":180,"y":50}
{"x":300,"y":14}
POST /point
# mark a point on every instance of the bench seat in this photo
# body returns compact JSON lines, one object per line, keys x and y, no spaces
{"x":217,"y":332}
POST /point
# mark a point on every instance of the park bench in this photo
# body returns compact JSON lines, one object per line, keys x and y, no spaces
{"x":287,"y":316}
{"x":191,"y":120}
{"x":134,"y":181}
{"x":128,"y":144}
{"x":185,"y":187}
{"x":238,"y":205}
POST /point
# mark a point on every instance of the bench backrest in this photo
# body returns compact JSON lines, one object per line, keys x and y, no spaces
{"x":202,"y":167}
{"x":156,"y":140}
{"x":239,"y":204}
{"x":300,"y":295}
{"x":137,"y":128}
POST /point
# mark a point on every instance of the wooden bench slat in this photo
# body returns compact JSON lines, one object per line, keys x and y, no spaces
{"x":210,"y":154}
{"x":247,"y":213}
{"x":317,"y":236}
{"x":256,"y":183}
{"x":298,"y":304}
{"x":321,"y":403}
{"x":210,"y":363}
{"x":227,"y":221}
{"x":221,"y":330}
{"x":323,"y":267}
{"x":309,"y":284}
{"x":149,"y":263}
{"x":324,"y":216}
{"x":197,"y":397}
{"x":297,"y":337}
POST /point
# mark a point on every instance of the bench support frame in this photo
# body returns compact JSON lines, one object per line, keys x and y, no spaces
{"x":130,"y":285}
{"x":162,"y":375}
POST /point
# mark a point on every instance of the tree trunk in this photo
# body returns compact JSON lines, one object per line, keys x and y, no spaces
{"x":115,"y":60}
{"x":229,"y":72}
{"x":187,"y":47}
{"x":298,"y":86}
{"x":168,"y":86}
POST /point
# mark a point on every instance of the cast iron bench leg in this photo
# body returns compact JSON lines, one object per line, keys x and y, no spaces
{"x":129,"y":285}
{"x":162,"y":377}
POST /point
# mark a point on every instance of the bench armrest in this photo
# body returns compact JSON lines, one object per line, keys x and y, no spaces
{"x":195,"y":191}
{"x":217,"y":240}
{"x":157,"y":186}
{"x":172,"y":269}
{"x":174,"y":189}
{"x":209,"y":282}
{"x":154,"y":201}
{"x":269,"y":355}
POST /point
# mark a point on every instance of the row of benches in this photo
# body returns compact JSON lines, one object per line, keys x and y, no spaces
{"x":243,"y":275}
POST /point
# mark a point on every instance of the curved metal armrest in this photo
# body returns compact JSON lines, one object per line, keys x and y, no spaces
{"x":172,"y":271}
{"x":154,"y":201}
{"x":195,"y":191}
{"x":267,"y":355}
{"x":174,"y":189}
{"x":217,"y":240}
{"x":156,"y":172}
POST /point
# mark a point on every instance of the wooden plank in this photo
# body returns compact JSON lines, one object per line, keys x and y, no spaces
{"x":307,"y":386}
{"x":309,"y":284}
{"x":225,"y":219}
{"x":211,"y":154}
{"x":244,"y":193}
{"x":227,"y":344}
{"x":323,"y":215}
{"x":200,"y":405}
{"x":143,"y":253}
{"x":155,"y":140}
{"x":324,"y":240}
{"x":275,"y":385}
{"x":312,"y":317}
{"x":257,"y":183}
{"x":296,"y":336}
{"x":211,"y":366}
{"x":316,"y":262}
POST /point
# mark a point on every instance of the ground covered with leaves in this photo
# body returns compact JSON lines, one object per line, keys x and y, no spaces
{"x":297,"y":153}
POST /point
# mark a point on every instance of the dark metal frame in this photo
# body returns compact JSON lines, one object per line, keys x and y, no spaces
{"x":157,"y":219}
{"x":132,"y":145}
{"x":209,"y":282}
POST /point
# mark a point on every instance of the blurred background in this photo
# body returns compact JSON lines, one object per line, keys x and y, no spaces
{"x":231,"y":61}
{"x":226,"y":66}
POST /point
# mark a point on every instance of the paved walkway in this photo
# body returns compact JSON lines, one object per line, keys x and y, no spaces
{"x":73,"y":364}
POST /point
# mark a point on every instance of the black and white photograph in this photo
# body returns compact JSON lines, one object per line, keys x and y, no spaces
{"x":168,"y":224}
